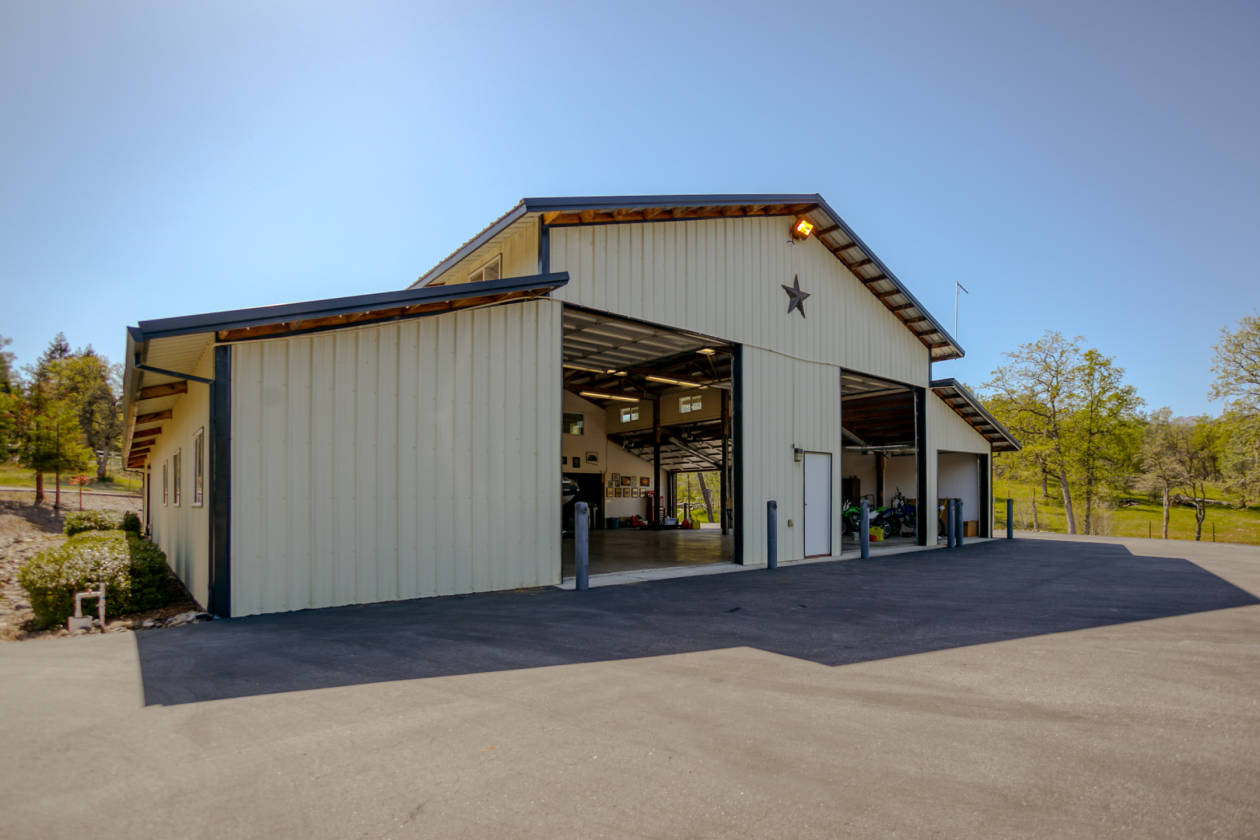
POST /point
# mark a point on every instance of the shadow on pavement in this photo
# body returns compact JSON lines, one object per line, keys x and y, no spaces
{"x":830,"y":613}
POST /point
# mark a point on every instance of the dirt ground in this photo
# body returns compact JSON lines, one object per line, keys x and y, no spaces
{"x":26,"y":530}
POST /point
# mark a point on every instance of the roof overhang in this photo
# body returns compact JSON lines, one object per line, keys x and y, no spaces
{"x":161,"y":354}
{"x":965,"y":404}
{"x":831,"y":231}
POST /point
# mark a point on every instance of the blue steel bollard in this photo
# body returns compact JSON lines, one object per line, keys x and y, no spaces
{"x":581,"y":547}
{"x":864,"y":530}
{"x":1010,"y":518}
{"x":958,"y":521}
{"x":772,"y":534}
{"x":949,"y":523}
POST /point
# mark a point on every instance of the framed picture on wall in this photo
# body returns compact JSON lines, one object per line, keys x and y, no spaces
{"x":617,"y":492}
{"x":644,"y":481}
{"x":627,"y":480}
{"x":592,"y":457}
{"x":609,"y":491}
{"x":577,"y":462}
{"x":614,"y":479}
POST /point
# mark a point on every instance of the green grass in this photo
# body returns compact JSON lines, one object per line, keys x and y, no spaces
{"x":11,"y":475}
{"x":1231,"y":524}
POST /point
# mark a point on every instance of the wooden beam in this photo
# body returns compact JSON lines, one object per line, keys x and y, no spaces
{"x":167,"y":389}
{"x":883,"y":295}
{"x":153,"y":417}
{"x":147,"y":433}
{"x":859,"y":264}
{"x":899,"y":307}
{"x":869,"y":280}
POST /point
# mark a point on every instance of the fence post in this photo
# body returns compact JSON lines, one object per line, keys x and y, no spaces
{"x":864,"y":530}
{"x":958,"y":524}
{"x":1010,"y":518}
{"x":772,"y":534}
{"x":581,"y":547}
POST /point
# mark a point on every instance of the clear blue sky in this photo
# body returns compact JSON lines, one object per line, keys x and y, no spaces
{"x":1086,"y":167}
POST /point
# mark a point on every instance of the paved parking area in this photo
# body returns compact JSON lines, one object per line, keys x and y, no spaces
{"x":1048,"y":687}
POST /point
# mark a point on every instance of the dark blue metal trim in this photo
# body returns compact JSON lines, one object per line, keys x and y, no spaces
{"x":737,"y":448}
{"x":220,"y":490}
{"x":921,"y":461}
{"x":175,"y":374}
{"x":262,"y":315}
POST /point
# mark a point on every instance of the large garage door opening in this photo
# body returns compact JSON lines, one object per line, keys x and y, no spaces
{"x":880,"y":420}
{"x":647,"y":443}
{"x":961,"y":476}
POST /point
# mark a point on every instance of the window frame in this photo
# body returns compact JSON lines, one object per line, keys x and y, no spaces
{"x":199,"y":471}
{"x":165,"y":482}
{"x":176,"y":478}
{"x":581,"y":424}
{"x":628,"y":409}
{"x":478,"y":275}
{"x":690,"y":403}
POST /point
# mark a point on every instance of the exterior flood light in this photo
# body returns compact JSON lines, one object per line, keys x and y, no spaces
{"x":802,"y":229}
{"x":798,"y":454}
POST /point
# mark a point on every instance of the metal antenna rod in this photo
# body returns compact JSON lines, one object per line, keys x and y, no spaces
{"x":957,"y":286}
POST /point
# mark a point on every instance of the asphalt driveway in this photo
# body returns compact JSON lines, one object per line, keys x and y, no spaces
{"x":1031,"y":689}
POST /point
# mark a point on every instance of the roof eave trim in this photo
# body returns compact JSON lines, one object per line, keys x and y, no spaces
{"x":975,"y":403}
{"x":236,"y":319}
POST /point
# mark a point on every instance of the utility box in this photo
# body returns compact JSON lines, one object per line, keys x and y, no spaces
{"x":971,"y":528}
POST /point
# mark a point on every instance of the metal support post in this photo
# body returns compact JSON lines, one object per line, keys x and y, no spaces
{"x":949,"y":523}
{"x":1010,"y":518}
{"x":958,"y":522}
{"x":581,"y":546}
{"x":864,"y":530}
{"x":772,"y":534}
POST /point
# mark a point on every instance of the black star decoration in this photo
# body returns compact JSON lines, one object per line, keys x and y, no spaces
{"x":796,"y":298}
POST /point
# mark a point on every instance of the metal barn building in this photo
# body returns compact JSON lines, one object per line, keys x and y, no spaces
{"x":432,"y":441}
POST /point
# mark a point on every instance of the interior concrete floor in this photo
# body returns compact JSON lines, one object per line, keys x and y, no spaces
{"x":628,"y":550}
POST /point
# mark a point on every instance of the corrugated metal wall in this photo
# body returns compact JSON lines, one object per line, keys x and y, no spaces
{"x":723,"y":278}
{"x":183,"y":530}
{"x":786,"y":403}
{"x":395,"y":461}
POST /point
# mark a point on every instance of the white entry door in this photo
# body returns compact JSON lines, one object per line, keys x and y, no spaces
{"x":817,"y":504}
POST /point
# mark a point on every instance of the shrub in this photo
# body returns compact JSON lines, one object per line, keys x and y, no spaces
{"x":131,"y":523}
{"x":89,"y":520}
{"x":133,"y":570}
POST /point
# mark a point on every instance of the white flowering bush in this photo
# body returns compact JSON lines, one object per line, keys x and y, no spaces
{"x":90,"y":520}
{"x":133,"y":570}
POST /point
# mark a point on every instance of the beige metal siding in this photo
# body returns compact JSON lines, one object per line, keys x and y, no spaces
{"x":786,"y":403}
{"x":395,"y":461}
{"x":951,"y":433}
{"x":183,"y":530}
{"x":723,"y":278}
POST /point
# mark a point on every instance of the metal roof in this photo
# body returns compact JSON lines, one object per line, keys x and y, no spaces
{"x":163,"y":352}
{"x":830,"y":229}
{"x":956,"y":395}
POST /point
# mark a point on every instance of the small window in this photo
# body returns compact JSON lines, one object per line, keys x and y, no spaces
{"x":689,"y":403}
{"x":489,"y":271}
{"x":199,"y":456}
{"x":574,"y":424}
{"x":165,"y":482}
{"x":629,"y":415}
{"x":175,"y":459}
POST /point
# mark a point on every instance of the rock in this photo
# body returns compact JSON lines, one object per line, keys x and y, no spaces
{"x":148,"y":622}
